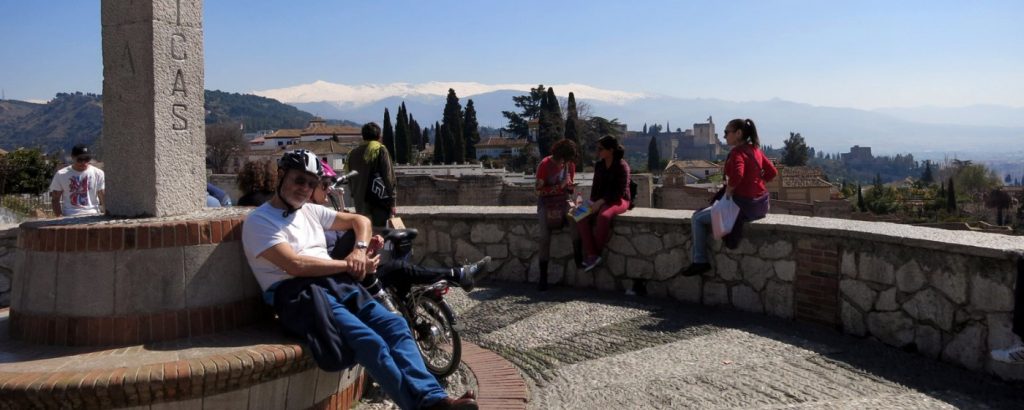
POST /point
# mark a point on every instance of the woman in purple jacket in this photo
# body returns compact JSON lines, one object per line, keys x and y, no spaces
{"x":609,"y":196}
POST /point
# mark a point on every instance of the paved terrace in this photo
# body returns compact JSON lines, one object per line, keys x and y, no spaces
{"x":588,"y":349}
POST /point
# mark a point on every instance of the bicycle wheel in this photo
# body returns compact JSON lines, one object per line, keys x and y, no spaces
{"x":438,"y":341}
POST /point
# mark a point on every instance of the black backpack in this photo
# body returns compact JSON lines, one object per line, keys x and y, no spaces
{"x":632,"y":194}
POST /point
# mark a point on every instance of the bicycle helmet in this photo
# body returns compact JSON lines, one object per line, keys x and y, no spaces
{"x":302,"y":160}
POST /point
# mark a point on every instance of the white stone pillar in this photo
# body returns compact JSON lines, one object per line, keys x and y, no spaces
{"x":153,"y":116}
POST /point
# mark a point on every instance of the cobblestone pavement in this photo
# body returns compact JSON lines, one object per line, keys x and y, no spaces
{"x":584,"y":349}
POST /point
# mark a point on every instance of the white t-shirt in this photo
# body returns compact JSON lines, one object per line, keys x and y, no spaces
{"x":303,"y":230}
{"x":79,"y":190}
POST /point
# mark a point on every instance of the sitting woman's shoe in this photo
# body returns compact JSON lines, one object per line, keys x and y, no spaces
{"x":696,"y":269}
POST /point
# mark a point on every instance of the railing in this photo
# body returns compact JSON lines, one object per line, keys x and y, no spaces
{"x":27,"y":205}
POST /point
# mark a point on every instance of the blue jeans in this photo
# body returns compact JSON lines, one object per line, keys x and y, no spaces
{"x":384,"y":346}
{"x":701,"y":225}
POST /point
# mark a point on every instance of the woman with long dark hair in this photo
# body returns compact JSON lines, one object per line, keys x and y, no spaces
{"x":556,"y":174}
{"x":609,"y":196}
{"x":746,"y":171}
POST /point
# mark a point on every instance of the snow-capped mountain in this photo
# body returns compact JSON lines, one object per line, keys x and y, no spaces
{"x":357,"y":95}
{"x":833,"y":129}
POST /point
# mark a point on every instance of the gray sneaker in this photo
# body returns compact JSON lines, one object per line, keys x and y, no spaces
{"x":1013,"y":354}
{"x":467,"y":277}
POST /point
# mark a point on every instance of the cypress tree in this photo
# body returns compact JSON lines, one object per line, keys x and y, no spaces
{"x":389,"y":134}
{"x":453,"y":121}
{"x":550,"y":123}
{"x":927,"y":177}
{"x":950,"y":196}
{"x":645,"y":128}
{"x":438,"y":145}
{"x":471,"y":131}
{"x":860,"y":199}
{"x":450,"y":149}
{"x":653,"y":157}
{"x":402,"y":136}
{"x":424,"y":139}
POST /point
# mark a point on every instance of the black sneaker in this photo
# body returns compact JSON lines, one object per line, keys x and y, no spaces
{"x":468,"y":273}
{"x":696,"y":269}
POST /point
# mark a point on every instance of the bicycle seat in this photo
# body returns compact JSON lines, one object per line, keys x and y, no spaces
{"x":399,"y":235}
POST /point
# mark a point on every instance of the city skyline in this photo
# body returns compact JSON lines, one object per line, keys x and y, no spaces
{"x":866,"y":55}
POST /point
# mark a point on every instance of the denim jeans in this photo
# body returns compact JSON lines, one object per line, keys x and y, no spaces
{"x":384,"y":346}
{"x":701,"y":225}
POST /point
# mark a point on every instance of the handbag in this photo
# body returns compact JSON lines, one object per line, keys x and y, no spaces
{"x":555,"y":208}
{"x":723,"y":216}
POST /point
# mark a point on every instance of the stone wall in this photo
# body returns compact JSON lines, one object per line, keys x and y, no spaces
{"x":947,"y":295}
{"x":8,"y":248}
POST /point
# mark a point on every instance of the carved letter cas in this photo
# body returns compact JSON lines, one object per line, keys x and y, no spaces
{"x":179,"y":84}
{"x":178,"y":47}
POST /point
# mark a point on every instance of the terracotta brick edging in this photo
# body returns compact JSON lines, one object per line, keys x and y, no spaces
{"x":54,"y":236}
{"x":126,"y":330}
{"x":165,"y":382}
{"x":499,"y":384}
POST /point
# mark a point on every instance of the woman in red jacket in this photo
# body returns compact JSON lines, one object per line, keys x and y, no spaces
{"x":746,"y":172}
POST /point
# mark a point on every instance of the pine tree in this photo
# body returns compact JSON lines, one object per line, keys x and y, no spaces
{"x":438,"y":145}
{"x":795,"y":151}
{"x":389,"y":134}
{"x":950,"y":196}
{"x":456,"y":152}
{"x":402,"y":136}
{"x":653,"y":157}
{"x":645,"y":128}
{"x":471,"y":131}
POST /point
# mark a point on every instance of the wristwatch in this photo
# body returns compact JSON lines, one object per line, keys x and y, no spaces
{"x":362,"y":245}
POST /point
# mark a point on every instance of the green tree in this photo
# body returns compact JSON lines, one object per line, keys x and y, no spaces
{"x":950,"y":196}
{"x":860,"y":200}
{"x":529,"y":109}
{"x":471,"y":131}
{"x":389,"y":134}
{"x":452,"y":121}
{"x":402,"y":136}
{"x":795,"y":151}
{"x":653,"y":157}
{"x":26,"y":171}
{"x":926,"y":177}
{"x":645,"y":128}
{"x":424,"y":139}
{"x":439,"y":157}
{"x":572,"y":116}
{"x":550,"y":123}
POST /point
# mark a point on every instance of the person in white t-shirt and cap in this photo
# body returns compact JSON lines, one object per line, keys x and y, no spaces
{"x":77,"y":189}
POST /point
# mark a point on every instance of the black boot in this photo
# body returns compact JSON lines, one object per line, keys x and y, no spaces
{"x":577,"y":252}
{"x":542,"y":282}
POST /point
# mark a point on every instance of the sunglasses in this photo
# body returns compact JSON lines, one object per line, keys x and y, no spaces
{"x":727,"y":132}
{"x":310,"y":182}
{"x":83,"y":159}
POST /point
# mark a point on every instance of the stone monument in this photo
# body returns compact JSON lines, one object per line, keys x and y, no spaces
{"x":153,"y":115}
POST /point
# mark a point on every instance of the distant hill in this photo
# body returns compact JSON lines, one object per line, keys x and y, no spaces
{"x":76,"y":118}
{"x":66,"y":120}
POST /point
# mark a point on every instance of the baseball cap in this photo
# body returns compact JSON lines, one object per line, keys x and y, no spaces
{"x":80,"y":150}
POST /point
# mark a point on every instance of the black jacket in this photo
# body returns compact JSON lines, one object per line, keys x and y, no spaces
{"x":302,"y":307}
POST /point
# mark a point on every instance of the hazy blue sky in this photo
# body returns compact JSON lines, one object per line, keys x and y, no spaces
{"x":862,"y":54}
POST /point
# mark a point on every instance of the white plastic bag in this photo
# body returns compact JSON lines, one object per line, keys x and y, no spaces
{"x":723,"y":216}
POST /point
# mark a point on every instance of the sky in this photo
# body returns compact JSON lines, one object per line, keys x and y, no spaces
{"x":858,"y":54}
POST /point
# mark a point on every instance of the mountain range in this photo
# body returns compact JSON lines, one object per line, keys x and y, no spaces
{"x":967,"y":129}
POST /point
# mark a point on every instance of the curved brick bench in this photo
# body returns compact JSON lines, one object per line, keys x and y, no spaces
{"x":255,"y":367}
{"x":98,"y":281}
